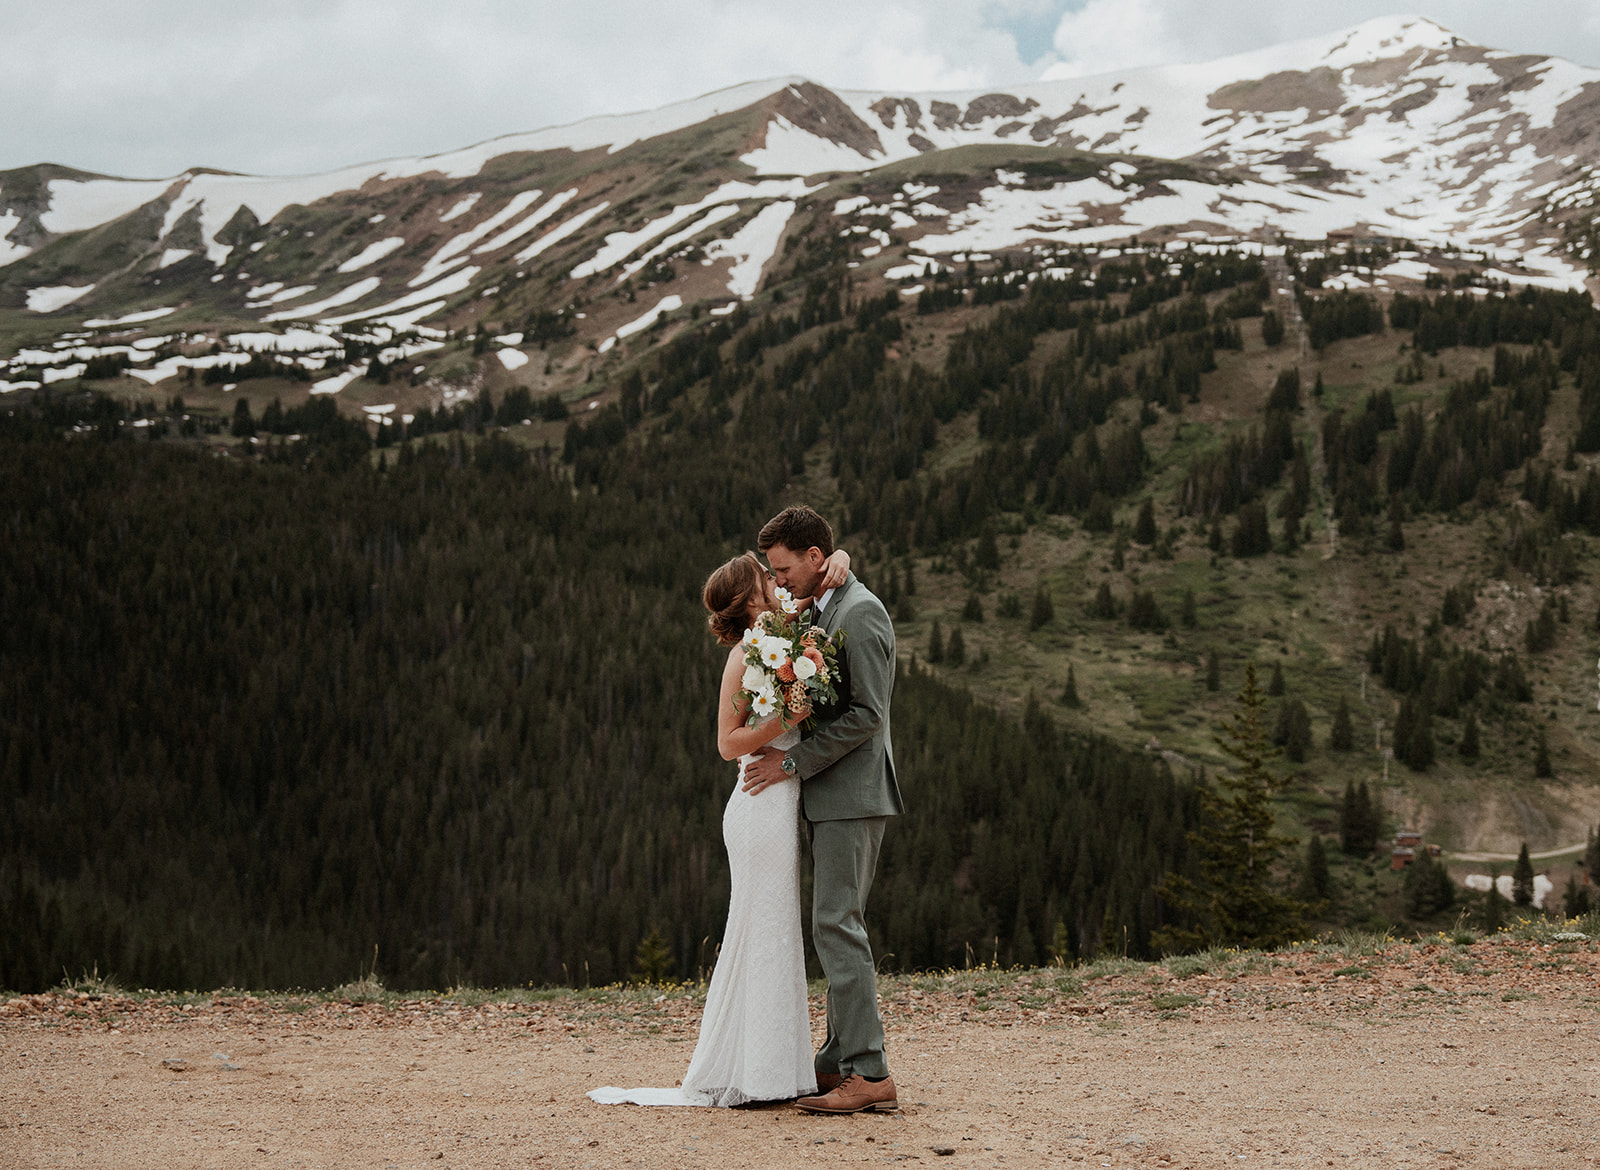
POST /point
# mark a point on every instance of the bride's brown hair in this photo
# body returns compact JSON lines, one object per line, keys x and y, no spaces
{"x":727,"y":595}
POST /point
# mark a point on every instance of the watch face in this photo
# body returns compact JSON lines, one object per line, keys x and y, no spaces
{"x":788,"y":765}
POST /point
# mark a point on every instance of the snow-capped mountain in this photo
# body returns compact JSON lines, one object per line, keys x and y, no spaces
{"x":1395,"y":128}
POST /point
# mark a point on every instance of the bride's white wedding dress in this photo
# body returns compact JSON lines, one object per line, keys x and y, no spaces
{"x":755,"y":1035}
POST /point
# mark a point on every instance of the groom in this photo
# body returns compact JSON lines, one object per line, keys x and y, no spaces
{"x":846,"y":767}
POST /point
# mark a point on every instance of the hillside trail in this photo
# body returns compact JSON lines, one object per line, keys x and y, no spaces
{"x":1430,"y":1055}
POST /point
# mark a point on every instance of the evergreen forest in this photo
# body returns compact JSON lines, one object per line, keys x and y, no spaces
{"x":281,"y":688}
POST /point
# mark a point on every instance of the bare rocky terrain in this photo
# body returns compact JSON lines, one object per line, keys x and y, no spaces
{"x":1433,"y":1054}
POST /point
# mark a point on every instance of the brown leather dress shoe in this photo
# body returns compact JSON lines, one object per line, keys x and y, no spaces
{"x":854,"y":1094}
{"x":828,"y":1082}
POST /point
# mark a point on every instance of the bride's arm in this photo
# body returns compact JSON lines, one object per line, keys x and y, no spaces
{"x":734,"y":739}
{"x":834,"y":571}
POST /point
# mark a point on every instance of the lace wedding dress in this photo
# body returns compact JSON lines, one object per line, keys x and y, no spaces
{"x":755,"y":1035}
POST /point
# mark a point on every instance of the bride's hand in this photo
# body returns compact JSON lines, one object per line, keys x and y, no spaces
{"x":835,"y":569}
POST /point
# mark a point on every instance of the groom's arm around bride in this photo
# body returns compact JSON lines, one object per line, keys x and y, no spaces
{"x":849,"y":790}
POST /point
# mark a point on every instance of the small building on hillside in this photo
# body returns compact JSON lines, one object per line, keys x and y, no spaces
{"x":1404,"y":850}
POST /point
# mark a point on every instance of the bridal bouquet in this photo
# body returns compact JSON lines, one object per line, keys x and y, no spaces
{"x":790,"y":665}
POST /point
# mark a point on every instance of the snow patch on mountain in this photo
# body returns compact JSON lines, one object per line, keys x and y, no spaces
{"x":619,"y":245}
{"x":789,"y":150}
{"x":138,"y":318}
{"x":9,"y":251}
{"x":461,"y":207}
{"x":521,"y":228}
{"x":561,"y":231}
{"x":345,"y":296}
{"x":711,"y":218}
{"x":752,"y":246}
{"x":451,"y":253}
{"x":446,"y":287}
{"x":53,"y":297}
{"x":372,"y":253}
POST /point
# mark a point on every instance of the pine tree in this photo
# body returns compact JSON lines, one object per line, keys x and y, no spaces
{"x":1341,"y":737}
{"x":987,"y":553}
{"x":955,"y":650}
{"x":1044,"y":610}
{"x":1316,"y":880}
{"x":1186,"y":611}
{"x":1469,"y":737}
{"x":652,"y":959}
{"x":936,"y":644}
{"x":1235,"y":897}
{"x":1522,"y":878}
{"x":1358,"y":821}
{"x":1494,"y":906}
{"x":1144,"y":528}
{"x":1275,"y":687}
{"x":1293,"y":730}
{"x":1576,"y":902}
{"x":1069,"y":693}
{"x":1213,"y":671}
{"x":1541,"y":759}
{"x":973,"y":610}
{"x":1397,"y":534}
{"x":1428,"y":888}
{"x":1272,"y":327}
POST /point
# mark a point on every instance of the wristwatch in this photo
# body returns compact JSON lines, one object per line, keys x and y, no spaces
{"x":788,"y":766}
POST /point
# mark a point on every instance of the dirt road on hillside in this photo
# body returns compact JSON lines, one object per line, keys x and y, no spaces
{"x":1439,"y":1056}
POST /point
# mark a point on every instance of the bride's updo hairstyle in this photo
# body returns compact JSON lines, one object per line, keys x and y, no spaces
{"x":727,"y":595}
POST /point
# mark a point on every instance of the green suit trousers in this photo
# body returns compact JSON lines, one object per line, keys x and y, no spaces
{"x":844,"y":861}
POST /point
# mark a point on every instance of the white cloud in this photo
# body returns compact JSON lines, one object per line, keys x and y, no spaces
{"x":294,"y":86}
{"x":1101,"y":36}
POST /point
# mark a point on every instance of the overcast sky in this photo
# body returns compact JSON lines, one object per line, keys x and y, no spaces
{"x":148,"y":88}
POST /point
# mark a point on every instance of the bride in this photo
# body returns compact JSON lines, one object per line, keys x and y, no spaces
{"x":755,"y":1034}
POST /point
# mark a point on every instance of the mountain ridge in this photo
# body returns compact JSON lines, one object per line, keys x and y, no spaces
{"x":1395,"y":127}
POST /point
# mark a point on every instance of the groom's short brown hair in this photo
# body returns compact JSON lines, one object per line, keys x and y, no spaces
{"x":797,"y":528}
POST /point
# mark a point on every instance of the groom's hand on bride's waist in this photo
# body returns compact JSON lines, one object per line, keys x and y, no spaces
{"x":764,"y":771}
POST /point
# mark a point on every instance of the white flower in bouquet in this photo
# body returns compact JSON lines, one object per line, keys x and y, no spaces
{"x":763,"y":703}
{"x":774,"y":651}
{"x":751,"y":638}
{"x":755,"y":679}
{"x":804,"y":668}
{"x":786,"y":600}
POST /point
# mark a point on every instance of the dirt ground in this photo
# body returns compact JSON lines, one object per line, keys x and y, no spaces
{"x":1424,"y":1056}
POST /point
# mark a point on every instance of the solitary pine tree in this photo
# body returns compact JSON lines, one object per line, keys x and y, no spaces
{"x":1069,"y":693}
{"x":1494,"y":907}
{"x":1341,"y":737}
{"x":1469,"y":738}
{"x":1293,"y":732}
{"x":1428,"y":887}
{"x":1576,"y":902}
{"x":955,"y":650}
{"x":1275,"y":687}
{"x":1522,"y":878}
{"x":1144,"y":528}
{"x":1316,"y":881}
{"x":936,"y":645}
{"x":1541,"y":759}
{"x":652,"y":959}
{"x":1235,"y":897}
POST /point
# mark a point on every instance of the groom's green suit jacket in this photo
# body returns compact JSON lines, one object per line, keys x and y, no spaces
{"x":847,"y":760}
